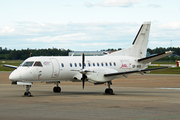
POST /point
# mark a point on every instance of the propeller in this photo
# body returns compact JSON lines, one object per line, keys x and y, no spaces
{"x":83,"y":75}
{"x":83,"y":71}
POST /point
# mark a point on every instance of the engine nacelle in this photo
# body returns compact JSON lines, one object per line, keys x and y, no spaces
{"x":97,"y":74}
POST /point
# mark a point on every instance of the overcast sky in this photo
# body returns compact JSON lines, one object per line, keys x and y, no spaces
{"x":87,"y":24}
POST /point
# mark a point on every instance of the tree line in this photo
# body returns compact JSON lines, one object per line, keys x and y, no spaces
{"x":8,"y":54}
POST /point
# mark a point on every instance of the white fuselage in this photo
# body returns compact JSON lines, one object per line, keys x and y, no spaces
{"x":64,"y":68}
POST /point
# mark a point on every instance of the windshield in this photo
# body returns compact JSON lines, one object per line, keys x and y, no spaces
{"x":27,"y":64}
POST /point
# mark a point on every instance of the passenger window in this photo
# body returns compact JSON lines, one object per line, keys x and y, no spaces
{"x":114,"y":64}
{"x":102,"y":64}
{"x":97,"y":64}
{"x":79,"y":64}
{"x":110,"y":64}
{"x":38,"y":64}
{"x":84,"y":64}
{"x":106,"y":64}
{"x":89,"y":64}
{"x":70,"y":64}
{"x":94,"y":64}
{"x":62,"y":64}
{"x":75,"y":64}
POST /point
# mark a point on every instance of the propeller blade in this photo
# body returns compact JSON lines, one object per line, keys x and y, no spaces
{"x":83,"y":80}
{"x":83,"y":61}
{"x":83,"y":75}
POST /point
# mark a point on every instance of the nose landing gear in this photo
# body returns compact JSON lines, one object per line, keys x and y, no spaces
{"x":27,"y":93}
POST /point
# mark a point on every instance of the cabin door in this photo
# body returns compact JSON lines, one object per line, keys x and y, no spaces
{"x":55,"y":68}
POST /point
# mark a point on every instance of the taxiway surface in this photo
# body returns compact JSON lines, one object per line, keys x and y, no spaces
{"x":138,"y":97}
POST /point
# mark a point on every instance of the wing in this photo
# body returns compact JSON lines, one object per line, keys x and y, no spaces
{"x":135,"y":71}
{"x":155,"y":57}
{"x":10,"y":66}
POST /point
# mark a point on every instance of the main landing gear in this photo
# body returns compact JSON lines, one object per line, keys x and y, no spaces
{"x":27,"y":93}
{"x":57,"y":89}
{"x":109,"y":90}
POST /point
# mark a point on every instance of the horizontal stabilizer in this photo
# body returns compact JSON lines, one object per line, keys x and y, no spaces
{"x":155,"y":57}
{"x":10,"y":66}
{"x":134,"y":71}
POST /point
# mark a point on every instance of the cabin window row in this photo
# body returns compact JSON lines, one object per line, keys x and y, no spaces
{"x":89,"y":64}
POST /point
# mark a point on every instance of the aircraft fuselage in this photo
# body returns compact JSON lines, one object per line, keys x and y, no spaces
{"x":49,"y":69}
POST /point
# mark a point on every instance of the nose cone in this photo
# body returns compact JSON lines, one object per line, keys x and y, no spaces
{"x":14,"y":76}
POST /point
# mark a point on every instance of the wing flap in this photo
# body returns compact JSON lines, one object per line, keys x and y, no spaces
{"x":155,"y":57}
{"x":134,"y":71}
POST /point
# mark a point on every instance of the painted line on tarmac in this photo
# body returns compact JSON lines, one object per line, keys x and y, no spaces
{"x":159,"y":117}
{"x":169,"y":88}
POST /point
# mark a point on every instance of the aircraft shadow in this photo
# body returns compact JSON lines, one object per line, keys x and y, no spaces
{"x":80,"y":94}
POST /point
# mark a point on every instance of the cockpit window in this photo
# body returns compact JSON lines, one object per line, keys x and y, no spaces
{"x":38,"y":64}
{"x":27,"y":64}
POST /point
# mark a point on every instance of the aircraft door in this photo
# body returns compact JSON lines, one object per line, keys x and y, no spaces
{"x":37,"y":70}
{"x":55,"y":68}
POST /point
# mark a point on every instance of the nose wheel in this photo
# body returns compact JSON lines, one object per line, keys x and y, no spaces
{"x":27,"y":93}
{"x":57,"y":89}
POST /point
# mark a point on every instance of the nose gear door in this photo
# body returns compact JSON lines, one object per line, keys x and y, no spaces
{"x":55,"y":68}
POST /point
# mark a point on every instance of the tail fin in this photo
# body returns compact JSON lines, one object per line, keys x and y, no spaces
{"x":139,"y":45}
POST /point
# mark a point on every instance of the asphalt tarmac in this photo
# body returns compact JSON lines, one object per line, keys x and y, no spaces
{"x":138,"y":97}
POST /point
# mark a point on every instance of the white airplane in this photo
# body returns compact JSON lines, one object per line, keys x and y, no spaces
{"x":94,"y":69}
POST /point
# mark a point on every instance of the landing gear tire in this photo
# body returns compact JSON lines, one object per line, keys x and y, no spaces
{"x":109,"y":91}
{"x":57,"y":89}
{"x":27,"y":94}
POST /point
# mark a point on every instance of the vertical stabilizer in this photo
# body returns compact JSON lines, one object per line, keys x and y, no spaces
{"x":139,"y":45}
